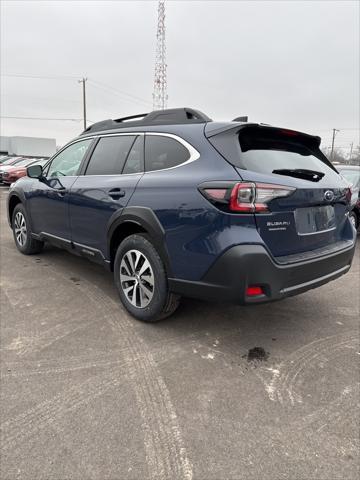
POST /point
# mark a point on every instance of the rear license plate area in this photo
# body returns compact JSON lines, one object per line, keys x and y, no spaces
{"x":315,"y":220}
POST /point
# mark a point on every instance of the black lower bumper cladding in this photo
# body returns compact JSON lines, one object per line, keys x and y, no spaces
{"x":245,"y":265}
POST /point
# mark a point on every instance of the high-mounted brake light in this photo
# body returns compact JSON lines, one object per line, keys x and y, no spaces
{"x":290,"y":133}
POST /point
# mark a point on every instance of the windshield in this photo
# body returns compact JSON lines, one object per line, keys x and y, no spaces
{"x":24,"y":162}
{"x":11,"y":161}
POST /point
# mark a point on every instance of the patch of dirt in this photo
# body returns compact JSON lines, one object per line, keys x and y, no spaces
{"x":257,"y":353}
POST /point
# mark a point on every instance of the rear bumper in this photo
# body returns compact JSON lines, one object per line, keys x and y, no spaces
{"x":245,"y":265}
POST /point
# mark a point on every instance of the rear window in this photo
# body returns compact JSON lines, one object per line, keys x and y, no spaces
{"x":352,"y":176}
{"x":267,"y":150}
{"x":163,"y":152}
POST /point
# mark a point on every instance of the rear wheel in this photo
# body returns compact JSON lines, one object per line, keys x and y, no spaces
{"x":22,"y":232}
{"x":141,"y":280}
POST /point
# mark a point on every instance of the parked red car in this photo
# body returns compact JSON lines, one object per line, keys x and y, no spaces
{"x":19,"y":170}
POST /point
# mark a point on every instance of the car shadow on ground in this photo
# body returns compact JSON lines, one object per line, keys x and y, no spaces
{"x":273,"y":327}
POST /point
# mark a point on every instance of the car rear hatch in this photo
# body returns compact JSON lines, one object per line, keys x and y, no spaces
{"x":299,"y":201}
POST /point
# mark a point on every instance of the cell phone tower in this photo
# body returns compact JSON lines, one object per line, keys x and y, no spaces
{"x":160,"y":81}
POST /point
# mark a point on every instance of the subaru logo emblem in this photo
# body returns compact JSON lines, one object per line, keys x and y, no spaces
{"x":329,"y":195}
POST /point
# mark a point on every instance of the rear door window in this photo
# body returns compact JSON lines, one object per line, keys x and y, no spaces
{"x":135,"y":160}
{"x":110,"y":155}
{"x":163,"y":152}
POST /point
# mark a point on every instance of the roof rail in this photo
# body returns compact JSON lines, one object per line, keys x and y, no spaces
{"x":171,"y":116}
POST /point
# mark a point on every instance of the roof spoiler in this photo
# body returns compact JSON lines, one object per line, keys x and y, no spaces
{"x":212,"y":130}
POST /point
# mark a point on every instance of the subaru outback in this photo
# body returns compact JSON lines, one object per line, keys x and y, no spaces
{"x":176,"y":204}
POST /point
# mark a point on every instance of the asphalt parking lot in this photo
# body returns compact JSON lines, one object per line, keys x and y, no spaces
{"x":87,"y":392}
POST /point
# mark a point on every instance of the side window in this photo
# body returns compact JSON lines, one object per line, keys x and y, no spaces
{"x":163,"y":152}
{"x":68,"y":162}
{"x":109,"y":155}
{"x":135,"y":161}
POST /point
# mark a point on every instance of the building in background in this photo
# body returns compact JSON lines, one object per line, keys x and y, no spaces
{"x":27,"y":146}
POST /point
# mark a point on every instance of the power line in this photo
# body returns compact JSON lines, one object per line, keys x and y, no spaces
{"x":96,"y":83}
{"x":114,"y":91}
{"x":44,"y":118}
{"x":340,"y":128}
{"x":42,"y":77}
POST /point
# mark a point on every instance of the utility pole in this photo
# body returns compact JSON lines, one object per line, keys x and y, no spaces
{"x":83,"y":80}
{"x":351,"y":149}
{"x":332,"y":144}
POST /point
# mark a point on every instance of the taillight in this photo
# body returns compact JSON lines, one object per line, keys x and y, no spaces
{"x":216,"y":193}
{"x":244,"y":197}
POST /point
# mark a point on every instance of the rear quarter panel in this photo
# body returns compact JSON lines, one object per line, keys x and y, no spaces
{"x":196,"y":232}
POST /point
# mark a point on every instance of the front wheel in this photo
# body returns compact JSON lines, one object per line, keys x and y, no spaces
{"x":141,"y":280}
{"x":22,"y":232}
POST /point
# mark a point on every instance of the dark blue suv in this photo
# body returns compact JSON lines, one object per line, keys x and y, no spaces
{"x":178,"y":205}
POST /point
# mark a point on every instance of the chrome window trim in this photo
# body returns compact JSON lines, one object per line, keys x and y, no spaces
{"x":194,"y":154}
{"x":112,"y":175}
{"x":126,"y":134}
{"x":68,"y":145}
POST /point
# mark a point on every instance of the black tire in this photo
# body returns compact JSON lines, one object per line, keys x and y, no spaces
{"x":24,"y":243}
{"x":354,"y":219}
{"x":162,"y":303}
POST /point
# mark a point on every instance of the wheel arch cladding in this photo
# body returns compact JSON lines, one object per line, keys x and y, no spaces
{"x":137,"y":220}
{"x":13,"y":201}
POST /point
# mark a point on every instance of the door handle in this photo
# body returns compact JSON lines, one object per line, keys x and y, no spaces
{"x":61,"y":192}
{"x":116,"y":193}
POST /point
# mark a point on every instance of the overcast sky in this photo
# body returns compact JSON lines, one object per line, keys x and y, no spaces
{"x":288,"y":63}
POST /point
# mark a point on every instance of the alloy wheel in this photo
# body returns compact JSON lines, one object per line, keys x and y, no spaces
{"x":137,"y":278}
{"x":20,"y":229}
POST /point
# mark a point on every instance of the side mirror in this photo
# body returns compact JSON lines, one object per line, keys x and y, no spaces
{"x":35,"y":171}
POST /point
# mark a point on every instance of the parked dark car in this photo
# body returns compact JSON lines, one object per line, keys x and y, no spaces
{"x":352,"y":174}
{"x":176,"y":204}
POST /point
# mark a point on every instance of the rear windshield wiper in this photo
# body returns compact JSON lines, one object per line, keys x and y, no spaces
{"x":301,"y":173}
